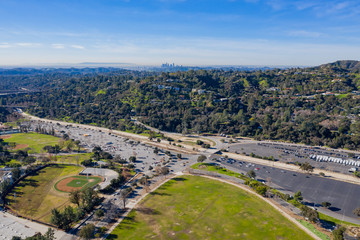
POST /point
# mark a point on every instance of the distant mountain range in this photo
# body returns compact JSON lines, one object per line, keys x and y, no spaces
{"x":70,"y":70}
{"x":349,"y":65}
{"x":343,"y":65}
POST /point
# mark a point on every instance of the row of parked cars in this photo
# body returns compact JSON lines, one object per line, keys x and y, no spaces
{"x":322,"y":158}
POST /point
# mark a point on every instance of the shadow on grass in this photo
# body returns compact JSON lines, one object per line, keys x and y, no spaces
{"x":147,"y":211}
{"x":28,"y":182}
{"x":171,"y":182}
{"x":159,"y":194}
{"x":112,"y":236}
{"x":128,"y":223}
{"x":179,"y":179}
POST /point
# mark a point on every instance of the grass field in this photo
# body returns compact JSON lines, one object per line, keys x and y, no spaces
{"x":78,"y":183}
{"x":73,"y":158}
{"x":36,"y":196}
{"x":314,"y":230}
{"x":213,"y":168}
{"x":34,"y":141}
{"x":192,"y":207}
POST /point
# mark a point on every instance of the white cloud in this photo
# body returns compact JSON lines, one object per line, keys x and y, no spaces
{"x":77,"y":46}
{"x":303,"y":5}
{"x":276,"y":4}
{"x":249,"y":1}
{"x":304,"y":33}
{"x":58,"y":46}
{"x":5,"y":45}
{"x":172,"y":1}
{"x":26,"y":44}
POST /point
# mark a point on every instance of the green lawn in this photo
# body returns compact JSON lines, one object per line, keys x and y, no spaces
{"x":73,"y":158}
{"x":221,"y":170}
{"x":36,"y":196}
{"x":314,"y":230}
{"x":213,"y":168}
{"x":32,"y":140}
{"x":77,"y":183}
{"x":341,"y":96}
{"x":192,"y":207}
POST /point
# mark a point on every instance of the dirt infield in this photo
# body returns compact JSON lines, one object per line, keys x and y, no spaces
{"x":5,"y":136}
{"x":20,"y":146}
{"x":63,"y":185}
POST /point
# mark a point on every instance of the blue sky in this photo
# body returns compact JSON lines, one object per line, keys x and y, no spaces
{"x":187,"y":32}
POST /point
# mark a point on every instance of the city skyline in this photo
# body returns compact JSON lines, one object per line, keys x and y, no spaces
{"x":248,"y":32}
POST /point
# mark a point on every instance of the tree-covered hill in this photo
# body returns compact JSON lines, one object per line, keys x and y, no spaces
{"x":346,"y":65}
{"x":318,"y":106}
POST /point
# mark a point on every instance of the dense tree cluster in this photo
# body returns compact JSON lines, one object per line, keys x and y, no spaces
{"x":316,"y":106}
{"x":3,"y":114}
{"x":309,"y":213}
{"x":49,"y":235}
{"x":338,"y":233}
{"x":85,"y":200}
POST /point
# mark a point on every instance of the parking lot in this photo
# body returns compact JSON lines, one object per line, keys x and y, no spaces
{"x":10,"y":228}
{"x":344,"y":197}
{"x":124,"y":147}
{"x":292,"y":153}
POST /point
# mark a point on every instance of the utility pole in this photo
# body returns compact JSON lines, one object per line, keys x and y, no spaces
{"x":15,"y":204}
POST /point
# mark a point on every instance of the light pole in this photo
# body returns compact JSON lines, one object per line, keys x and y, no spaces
{"x":15,"y":204}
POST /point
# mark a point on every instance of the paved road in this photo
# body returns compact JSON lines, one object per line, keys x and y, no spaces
{"x":343,"y":196}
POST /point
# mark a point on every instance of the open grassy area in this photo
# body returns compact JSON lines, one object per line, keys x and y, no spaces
{"x":192,"y":207}
{"x":342,"y":95}
{"x":32,"y":140}
{"x":214,"y":168}
{"x":73,"y":158}
{"x":314,"y":230}
{"x":36,"y":196}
